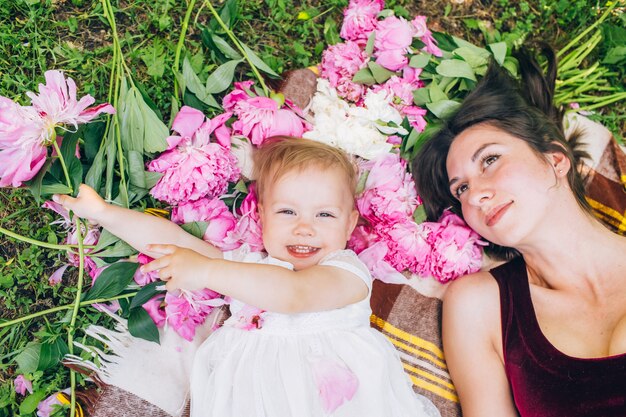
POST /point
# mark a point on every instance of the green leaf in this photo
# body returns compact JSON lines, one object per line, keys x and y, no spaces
{"x":112,"y":281}
{"x":136,"y":168}
{"x":410,"y":141}
{"x":419,"y":215}
{"x":222,"y":77}
{"x":499,"y":51}
{"x":364,"y":76}
{"x":192,"y":81}
{"x":146,"y":293}
{"x":196,"y":229}
{"x":152,"y":178}
{"x":511,"y":64}
{"x":380,"y":73}
{"x":106,"y":239}
{"x":421,"y":96}
{"x":51,"y":354}
{"x":475,"y":57}
{"x":141,"y":325}
{"x":28,"y":359}
{"x":436,"y":92}
{"x":258,"y":62}
{"x":420,"y":60}
{"x":615,"y":55}
{"x":225,"y":48}
{"x":55,"y":189}
{"x":331,"y":33}
{"x":35,"y":185}
{"x":369,"y":47}
{"x":30,"y":403}
{"x":119,"y":249}
{"x":455,"y":68}
{"x":445,"y":42}
{"x":443,"y":108}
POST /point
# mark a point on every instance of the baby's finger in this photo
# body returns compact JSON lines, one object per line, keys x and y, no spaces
{"x":155,"y":265}
{"x":64,"y":200}
{"x":161,"y":248}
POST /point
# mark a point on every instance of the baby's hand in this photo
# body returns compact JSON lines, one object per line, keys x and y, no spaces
{"x":179,"y":267}
{"x":88,"y":204}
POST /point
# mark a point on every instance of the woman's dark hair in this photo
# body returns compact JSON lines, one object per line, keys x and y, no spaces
{"x":524,"y":110}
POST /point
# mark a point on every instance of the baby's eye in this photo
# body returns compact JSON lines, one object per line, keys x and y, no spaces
{"x":287,"y":212}
{"x":326,"y":214}
{"x":460,"y":190}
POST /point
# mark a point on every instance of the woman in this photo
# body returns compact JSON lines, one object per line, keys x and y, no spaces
{"x":544,"y":334}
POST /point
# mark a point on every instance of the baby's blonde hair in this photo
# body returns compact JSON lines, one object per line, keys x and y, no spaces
{"x":282,"y":154}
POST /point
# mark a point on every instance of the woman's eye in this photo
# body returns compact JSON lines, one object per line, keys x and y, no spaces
{"x":490,"y":159}
{"x":460,"y":190}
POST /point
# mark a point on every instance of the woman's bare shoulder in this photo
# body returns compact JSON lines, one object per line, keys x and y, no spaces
{"x":473,"y":299}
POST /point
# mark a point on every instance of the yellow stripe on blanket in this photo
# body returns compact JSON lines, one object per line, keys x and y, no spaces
{"x":401,"y":334}
{"x":435,"y":389}
{"x":421,"y":359}
{"x":612,"y":215}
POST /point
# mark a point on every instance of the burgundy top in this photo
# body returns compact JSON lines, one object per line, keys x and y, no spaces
{"x":545,"y":382}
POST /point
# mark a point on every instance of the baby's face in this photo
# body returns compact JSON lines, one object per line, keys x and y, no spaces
{"x":307,"y":214}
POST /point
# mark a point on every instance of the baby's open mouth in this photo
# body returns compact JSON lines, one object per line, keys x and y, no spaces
{"x":302,"y":251}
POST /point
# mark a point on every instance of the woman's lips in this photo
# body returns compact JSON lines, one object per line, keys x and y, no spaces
{"x":496,"y":214}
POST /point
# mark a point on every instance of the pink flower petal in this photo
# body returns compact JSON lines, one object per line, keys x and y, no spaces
{"x":336,"y":384}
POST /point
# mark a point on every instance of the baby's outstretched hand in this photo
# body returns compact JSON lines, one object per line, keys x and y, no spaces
{"x":88,"y":204}
{"x":179,"y":267}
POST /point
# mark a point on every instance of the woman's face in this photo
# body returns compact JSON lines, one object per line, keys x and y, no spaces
{"x":505,"y":188}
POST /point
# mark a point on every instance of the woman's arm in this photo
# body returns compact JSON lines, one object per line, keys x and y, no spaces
{"x":268,"y":287}
{"x":473,"y":347}
{"x":137,"y":229}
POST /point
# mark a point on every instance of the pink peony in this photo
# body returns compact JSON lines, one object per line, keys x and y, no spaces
{"x":190,"y":173}
{"x":248,"y":229}
{"x":48,"y":406}
{"x":359,"y":19}
{"x":335,"y":383}
{"x":155,"y":308}
{"x":426,"y":36}
{"x":186,"y":310}
{"x":389,"y":195}
{"x":241,"y":92}
{"x":22,"y":150}
{"x":22,"y":384}
{"x":394,"y":36}
{"x":215,"y":212}
{"x":56,"y":277}
{"x":362,"y":237}
{"x":340,"y":62}
{"x":249,"y":318}
{"x":374,"y":258}
{"x":409,"y":246}
{"x":26,"y":131}
{"x":456,"y":249}
{"x":142,"y":278}
{"x":56,"y":102}
{"x":260,"y":118}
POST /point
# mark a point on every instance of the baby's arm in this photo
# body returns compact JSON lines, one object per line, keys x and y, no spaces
{"x":269,"y":287}
{"x":137,"y":229}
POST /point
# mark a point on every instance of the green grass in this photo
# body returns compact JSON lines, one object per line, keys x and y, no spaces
{"x":73,"y":35}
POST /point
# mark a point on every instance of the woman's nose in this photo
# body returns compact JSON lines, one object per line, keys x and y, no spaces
{"x":479,"y":193}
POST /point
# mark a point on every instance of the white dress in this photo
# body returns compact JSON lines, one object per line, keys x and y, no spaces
{"x":269,"y":371}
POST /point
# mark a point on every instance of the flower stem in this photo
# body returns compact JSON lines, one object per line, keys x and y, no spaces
{"x":64,"y":307}
{"x":62,"y":161}
{"x":70,"y":330}
{"x":235,"y":41}
{"x":181,"y":42}
{"x":33,"y":241}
